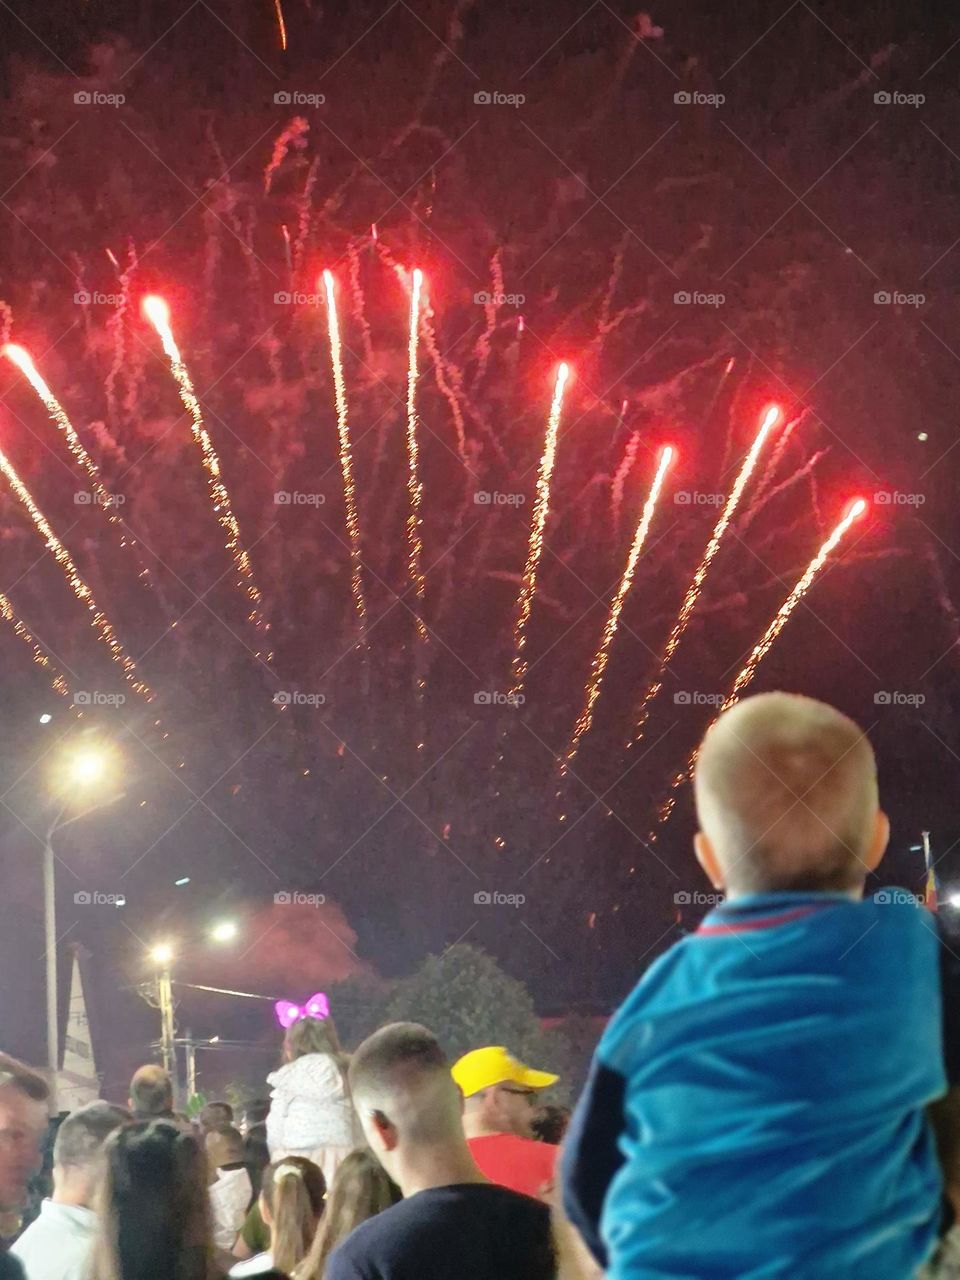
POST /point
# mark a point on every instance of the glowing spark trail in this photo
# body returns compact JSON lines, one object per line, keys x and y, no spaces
{"x":58,"y":680}
{"x":158,"y":313}
{"x":602,"y":655}
{"x":346,"y":466}
{"x":537,"y":524}
{"x":79,"y":587}
{"x":281,"y":25}
{"x":770,"y":417}
{"x":22,"y":359}
{"x":415,"y":488}
{"x":762,"y":647}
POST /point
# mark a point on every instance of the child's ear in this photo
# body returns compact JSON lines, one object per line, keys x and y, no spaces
{"x":708,"y":859}
{"x":878,"y":841}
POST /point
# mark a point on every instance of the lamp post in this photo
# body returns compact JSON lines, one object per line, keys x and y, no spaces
{"x":82,"y":770}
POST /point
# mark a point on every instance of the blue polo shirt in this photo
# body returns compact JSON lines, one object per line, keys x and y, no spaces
{"x":757,"y":1106}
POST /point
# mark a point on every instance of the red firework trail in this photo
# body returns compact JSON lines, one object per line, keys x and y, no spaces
{"x":601,"y":657}
{"x":770,"y":417}
{"x":158,"y":313}
{"x":537,"y":524}
{"x":762,"y":647}
{"x":414,"y":485}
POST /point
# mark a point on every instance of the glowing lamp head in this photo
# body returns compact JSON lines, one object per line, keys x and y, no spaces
{"x":87,"y":767}
{"x":772,"y":415}
{"x":156,"y":311}
{"x":953,"y":900}
{"x":225,"y":931}
{"x":162,"y":953}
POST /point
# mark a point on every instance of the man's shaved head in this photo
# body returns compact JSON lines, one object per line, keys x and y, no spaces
{"x":786,"y":792}
{"x":224,"y":1145}
{"x":401,"y":1073}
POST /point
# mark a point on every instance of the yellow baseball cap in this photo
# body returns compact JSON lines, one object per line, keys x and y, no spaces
{"x":483,"y":1068}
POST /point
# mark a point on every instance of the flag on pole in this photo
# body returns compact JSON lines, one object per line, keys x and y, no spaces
{"x":932,"y":887}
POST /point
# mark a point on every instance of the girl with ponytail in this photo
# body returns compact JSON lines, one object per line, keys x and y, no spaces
{"x":291,"y":1203}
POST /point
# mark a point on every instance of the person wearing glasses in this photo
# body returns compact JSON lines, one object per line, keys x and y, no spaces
{"x":501,"y":1104}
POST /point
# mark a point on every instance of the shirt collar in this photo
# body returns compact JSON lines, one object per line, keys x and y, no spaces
{"x":766,"y":910}
{"x":77,"y":1215}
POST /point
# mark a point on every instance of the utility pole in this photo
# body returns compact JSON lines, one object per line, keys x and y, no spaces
{"x":190,"y":1050}
{"x":165,"y":1000}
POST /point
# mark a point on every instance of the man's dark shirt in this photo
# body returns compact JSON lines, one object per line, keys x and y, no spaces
{"x":469,"y":1231}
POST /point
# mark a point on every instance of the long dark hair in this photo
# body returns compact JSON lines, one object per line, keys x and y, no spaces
{"x":360,"y":1190}
{"x":152,"y":1212}
{"x":294,"y":1189}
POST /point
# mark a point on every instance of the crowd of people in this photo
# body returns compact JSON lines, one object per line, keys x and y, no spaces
{"x":778,"y":1097}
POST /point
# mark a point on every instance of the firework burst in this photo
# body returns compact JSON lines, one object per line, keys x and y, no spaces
{"x":79,"y":587}
{"x":346,"y":466}
{"x":158,"y":313}
{"x":537,"y":524}
{"x":601,"y":657}
{"x":762,"y":647}
{"x":414,"y":485}
{"x":770,"y":417}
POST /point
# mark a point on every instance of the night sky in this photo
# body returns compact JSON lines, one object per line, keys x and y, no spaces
{"x":656,"y":195}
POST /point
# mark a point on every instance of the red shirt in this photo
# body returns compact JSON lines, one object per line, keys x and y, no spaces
{"x":511,"y":1161}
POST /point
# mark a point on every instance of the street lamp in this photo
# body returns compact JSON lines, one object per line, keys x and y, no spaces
{"x":225,"y":931}
{"x":162,"y":957}
{"x":79,"y":773}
